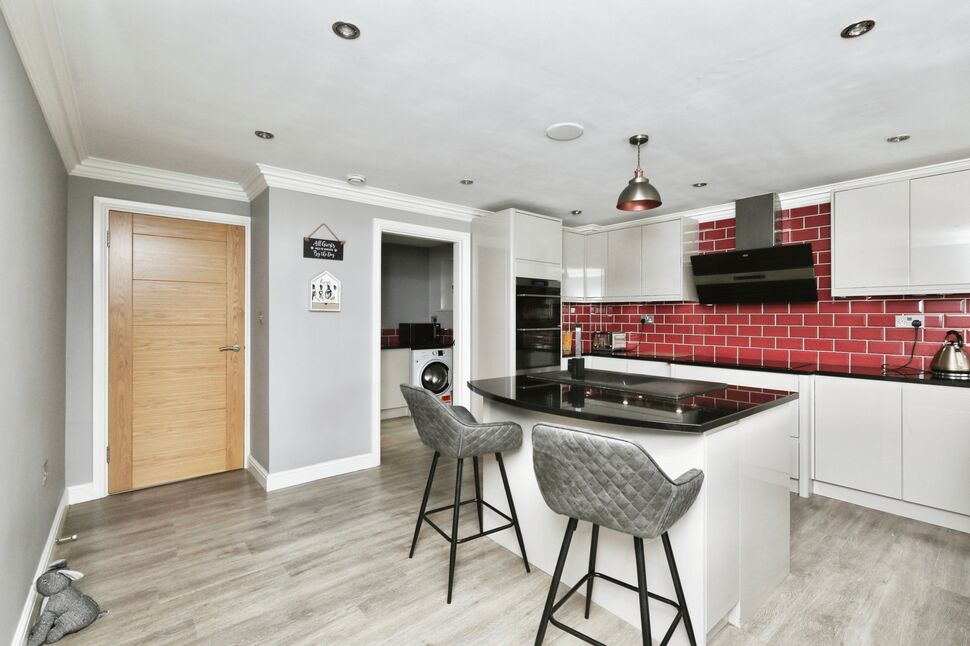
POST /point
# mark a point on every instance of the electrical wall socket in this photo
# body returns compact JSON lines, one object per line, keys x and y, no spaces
{"x":644,"y":320}
{"x":906,"y":320}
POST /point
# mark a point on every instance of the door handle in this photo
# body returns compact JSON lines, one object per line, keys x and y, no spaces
{"x":229,"y":348}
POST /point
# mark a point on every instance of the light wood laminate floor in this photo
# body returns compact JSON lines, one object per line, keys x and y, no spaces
{"x":218,"y":561}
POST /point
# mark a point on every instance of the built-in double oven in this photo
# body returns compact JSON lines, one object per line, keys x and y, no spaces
{"x":538,"y":335}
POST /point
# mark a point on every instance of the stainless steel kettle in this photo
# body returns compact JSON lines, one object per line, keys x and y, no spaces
{"x":951,"y":361}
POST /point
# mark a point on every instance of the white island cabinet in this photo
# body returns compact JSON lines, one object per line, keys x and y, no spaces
{"x":731,"y":546}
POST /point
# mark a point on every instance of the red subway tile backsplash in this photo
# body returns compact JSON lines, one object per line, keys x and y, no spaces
{"x":854,"y":331}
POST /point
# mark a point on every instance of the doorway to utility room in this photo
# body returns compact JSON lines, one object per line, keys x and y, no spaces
{"x":417,"y":344}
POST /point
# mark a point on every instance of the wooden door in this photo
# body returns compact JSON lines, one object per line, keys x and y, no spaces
{"x":176,"y":292}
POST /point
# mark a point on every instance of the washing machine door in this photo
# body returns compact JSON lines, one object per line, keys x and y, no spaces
{"x":435,"y":377}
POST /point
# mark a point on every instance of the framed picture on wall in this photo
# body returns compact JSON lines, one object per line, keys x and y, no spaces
{"x":324,"y":293}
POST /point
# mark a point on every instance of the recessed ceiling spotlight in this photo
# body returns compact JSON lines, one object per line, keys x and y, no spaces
{"x":356,"y":180}
{"x":262,"y":134}
{"x":857,"y":29}
{"x":575,"y":212}
{"x":566,"y":131}
{"x":895,"y":139}
{"x":346,"y":30}
{"x":699,"y":184}
{"x":466,"y":182}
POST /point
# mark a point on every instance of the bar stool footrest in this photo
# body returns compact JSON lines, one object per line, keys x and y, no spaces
{"x":623,"y":584}
{"x":447,"y":537}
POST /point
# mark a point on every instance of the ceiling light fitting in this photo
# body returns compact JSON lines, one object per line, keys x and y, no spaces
{"x":857,"y":29}
{"x":639,"y":195}
{"x":466,"y":182}
{"x":566,"y":131}
{"x":262,"y":134}
{"x":346,"y":30}
{"x":356,"y":180}
{"x":895,"y":139}
{"x":699,"y":184}
{"x":575,"y":212}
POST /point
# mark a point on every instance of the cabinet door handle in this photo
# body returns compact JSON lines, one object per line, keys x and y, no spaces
{"x":229,"y":348}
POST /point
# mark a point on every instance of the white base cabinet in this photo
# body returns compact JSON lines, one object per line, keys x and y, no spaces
{"x":395,"y":370}
{"x":936,"y":447}
{"x":858,"y":434}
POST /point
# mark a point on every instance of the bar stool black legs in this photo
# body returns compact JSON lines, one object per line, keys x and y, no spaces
{"x":551,"y":606}
{"x":642,"y":591}
{"x":593,"y":540}
{"x":515,"y":518}
{"x":455,"y":507}
{"x":424,"y":503}
{"x":678,"y":589}
{"x":556,"y":578}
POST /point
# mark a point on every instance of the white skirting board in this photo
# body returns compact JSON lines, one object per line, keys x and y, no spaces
{"x":902,"y":508}
{"x":394,"y":413}
{"x":81,"y":493}
{"x":292,"y":477}
{"x":20,"y":635}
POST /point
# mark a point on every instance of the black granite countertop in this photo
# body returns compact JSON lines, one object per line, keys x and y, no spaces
{"x":904,"y":375}
{"x":591,"y":403}
{"x":422,"y":346}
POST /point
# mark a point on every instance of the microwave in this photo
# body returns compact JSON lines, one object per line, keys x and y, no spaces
{"x":609,"y":341}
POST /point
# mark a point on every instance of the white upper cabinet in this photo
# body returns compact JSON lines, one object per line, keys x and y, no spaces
{"x":870,"y":239}
{"x":537,"y":238}
{"x":573,"y":265}
{"x":661,"y":260}
{"x":906,"y":237}
{"x":596,"y":252}
{"x":623,"y":263}
{"x":940,"y":230}
{"x":650,"y":262}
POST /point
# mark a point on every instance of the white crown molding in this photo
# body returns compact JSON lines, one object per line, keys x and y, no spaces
{"x":791,"y":199}
{"x":112,"y":171}
{"x":270,"y":176}
{"x":33,"y":26}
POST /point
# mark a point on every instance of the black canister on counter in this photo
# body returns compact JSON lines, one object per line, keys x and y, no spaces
{"x":577,"y":368}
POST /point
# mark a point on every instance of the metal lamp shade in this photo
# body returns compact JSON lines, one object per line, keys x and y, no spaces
{"x":639,"y":195}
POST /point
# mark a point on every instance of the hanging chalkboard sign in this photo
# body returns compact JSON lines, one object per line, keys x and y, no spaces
{"x":321,"y":248}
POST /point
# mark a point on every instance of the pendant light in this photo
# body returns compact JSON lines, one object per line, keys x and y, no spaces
{"x":639,"y":195}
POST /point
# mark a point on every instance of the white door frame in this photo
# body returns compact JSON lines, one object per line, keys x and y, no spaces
{"x":461,"y":243}
{"x":99,"y":426}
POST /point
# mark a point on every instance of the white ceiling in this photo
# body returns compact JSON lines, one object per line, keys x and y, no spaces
{"x":750,"y":95}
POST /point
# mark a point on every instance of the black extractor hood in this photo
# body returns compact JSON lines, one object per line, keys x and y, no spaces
{"x":761,"y":270}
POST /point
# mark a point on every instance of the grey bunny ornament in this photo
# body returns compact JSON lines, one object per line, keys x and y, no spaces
{"x":64,"y":609}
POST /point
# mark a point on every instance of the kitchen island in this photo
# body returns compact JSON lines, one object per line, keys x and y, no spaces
{"x":732,"y":546}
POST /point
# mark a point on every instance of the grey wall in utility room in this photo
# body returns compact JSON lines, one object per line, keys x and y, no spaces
{"x":440,"y":284}
{"x":404,"y":285}
{"x":81,"y":192}
{"x":320,"y":364}
{"x":33,"y":188}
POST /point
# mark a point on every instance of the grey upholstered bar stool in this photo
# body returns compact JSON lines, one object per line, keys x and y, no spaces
{"x":453,"y":432}
{"x":616,"y":484}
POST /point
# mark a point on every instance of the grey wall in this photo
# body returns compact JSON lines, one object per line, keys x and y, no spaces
{"x":33,"y":188}
{"x":259,"y":331}
{"x":320,"y":364}
{"x":80,"y":231}
{"x":405,"y":282}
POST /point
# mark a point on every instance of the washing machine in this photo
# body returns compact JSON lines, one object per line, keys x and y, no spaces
{"x":432,"y":370}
